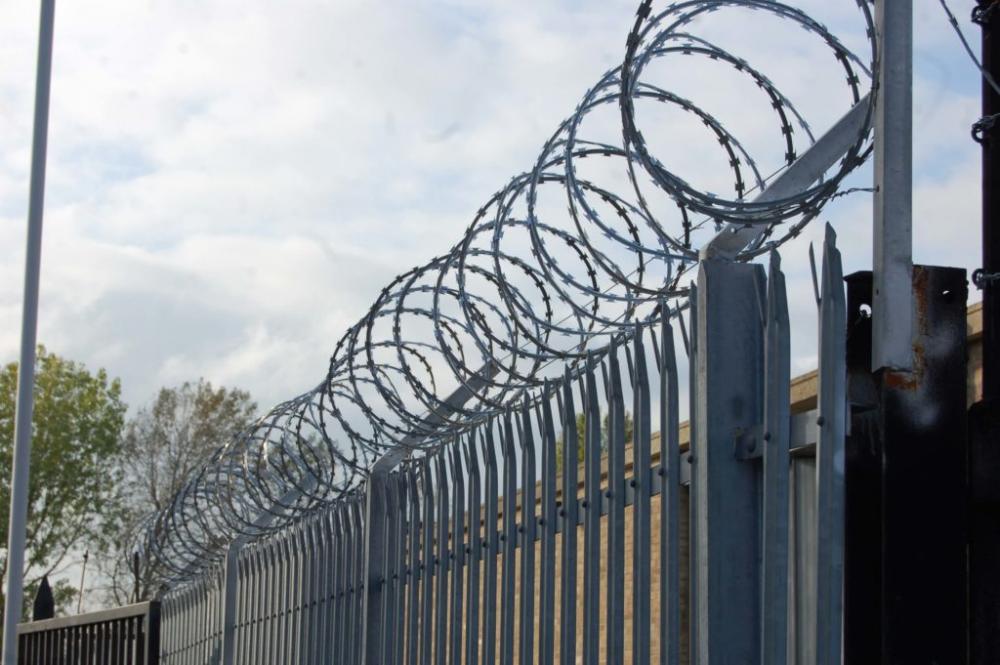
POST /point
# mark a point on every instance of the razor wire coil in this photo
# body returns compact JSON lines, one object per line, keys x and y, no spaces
{"x":521,"y":294}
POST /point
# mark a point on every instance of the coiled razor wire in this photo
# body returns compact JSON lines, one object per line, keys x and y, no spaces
{"x":525,"y":295}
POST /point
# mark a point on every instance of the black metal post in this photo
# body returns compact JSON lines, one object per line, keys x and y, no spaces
{"x":984,"y":417}
{"x":152,"y":630}
{"x":905,"y":561}
{"x":988,"y":134}
{"x":863,"y":479}
{"x":923,"y":420}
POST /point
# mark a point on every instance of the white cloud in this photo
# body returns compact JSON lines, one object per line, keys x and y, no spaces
{"x":230,"y":185}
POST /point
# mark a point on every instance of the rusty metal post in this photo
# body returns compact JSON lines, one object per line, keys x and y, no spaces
{"x":906,"y":577}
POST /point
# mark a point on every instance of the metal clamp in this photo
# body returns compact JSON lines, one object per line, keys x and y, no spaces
{"x":982,"y":13}
{"x":983,"y":128}
{"x":981,"y":278}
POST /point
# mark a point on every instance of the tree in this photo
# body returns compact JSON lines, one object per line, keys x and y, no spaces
{"x":76,"y":429}
{"x":581,"y":433}
{"x":164,"y":442}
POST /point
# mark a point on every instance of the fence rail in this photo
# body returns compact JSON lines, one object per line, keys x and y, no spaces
{"x":122,"y":636}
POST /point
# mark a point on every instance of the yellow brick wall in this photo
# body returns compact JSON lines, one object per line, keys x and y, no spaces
{"x":653,"y":591}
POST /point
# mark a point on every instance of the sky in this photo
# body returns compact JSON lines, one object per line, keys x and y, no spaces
{"x":230,"y":185}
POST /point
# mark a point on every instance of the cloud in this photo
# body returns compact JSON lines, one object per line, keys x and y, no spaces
{"x":230,"y":185}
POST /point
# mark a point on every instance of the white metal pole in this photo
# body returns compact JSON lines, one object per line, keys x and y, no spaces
{"x":892,"y":310}
{"x":29,"y":325}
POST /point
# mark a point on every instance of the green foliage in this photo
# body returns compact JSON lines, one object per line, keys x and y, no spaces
{"x":164,"y":442}
{"x":76,"y":430}
{"x":581,"y":433}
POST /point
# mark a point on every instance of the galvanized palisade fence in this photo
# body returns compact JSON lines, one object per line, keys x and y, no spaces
{"x":497,"y":548}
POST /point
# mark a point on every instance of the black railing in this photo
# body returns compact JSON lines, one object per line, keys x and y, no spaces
{"x":127,"y":635}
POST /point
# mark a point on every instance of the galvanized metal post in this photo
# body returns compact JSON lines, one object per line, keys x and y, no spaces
{"x":526,"y":531}
{"x":229,"y":588}
{"x":509,"y":540}
{"x":615,"y":495}
{"x":443,"y":563}
{"x":547,"y":524}
{"x":569,"y":512}
{"x":458,"y":549}
{"x":830,"y":457}
{"x":392,"y":613}
{"x":375,"y":556}
{"x":492,"y":549}
{"x":475,"y":504}
{"x":670,"y":531}
{"x":893,"y":237}
{"x":696,"y":510}
{"x":777,"y":425}
{"x":339,"y":586}
{"x":359,"y":573}
{"x":415,"y":569}
{"x":20,"y":472}
{"x":641,"y":508}
{"x":727,"y":409}
{"x":592,"y":519}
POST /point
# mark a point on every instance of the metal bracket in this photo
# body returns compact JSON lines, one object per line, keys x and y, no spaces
{"x":982,"y":129}
{"x":797,"y":178}
{"x":982,"y":13}
{"x":980,"y":278}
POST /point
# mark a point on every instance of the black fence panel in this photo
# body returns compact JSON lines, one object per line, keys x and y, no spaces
{"x":127,"y":635}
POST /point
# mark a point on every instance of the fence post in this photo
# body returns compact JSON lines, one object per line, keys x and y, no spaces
{"x":830,"y":457}
{"x":892,"y":315}
{"x":230,"y":584}
{"x":375,"y":522}
{"x":152,"y":631}
{"x":775,"y":440}
{"x":923,"y":423}
{"x":727,"y":413}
